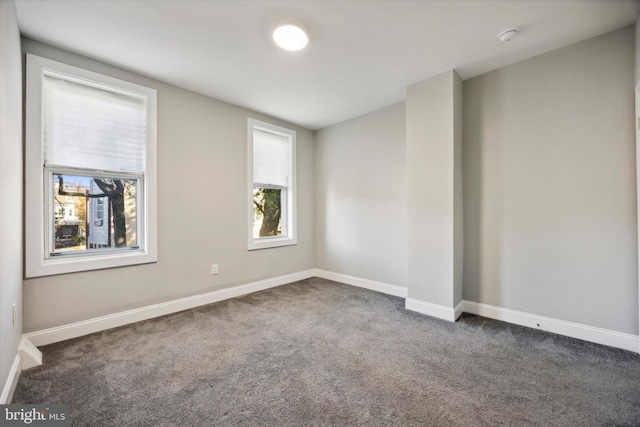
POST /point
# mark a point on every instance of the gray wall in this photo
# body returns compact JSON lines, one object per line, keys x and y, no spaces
{"x":360,"y":197}
{"x":637,"y":49}
{"x":10,"y":187}
{"x":202,"y":212}
{"x":549,"y":194}
{"x":549,"y":185}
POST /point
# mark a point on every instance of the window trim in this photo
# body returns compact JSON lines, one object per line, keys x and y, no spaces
{"x":37,"y":260}
{"x":291,"y":211}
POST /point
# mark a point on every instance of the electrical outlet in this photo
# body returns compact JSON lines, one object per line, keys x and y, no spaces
{"x":214,"y":268}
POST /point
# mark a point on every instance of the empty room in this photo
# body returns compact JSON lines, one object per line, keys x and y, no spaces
{"x":336,"y":213}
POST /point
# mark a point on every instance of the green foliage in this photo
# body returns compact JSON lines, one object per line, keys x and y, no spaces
{"x":267,"y":202}
{"x":78,"y":240}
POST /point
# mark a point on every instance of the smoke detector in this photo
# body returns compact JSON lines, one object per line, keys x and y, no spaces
{"x":506,"y":36}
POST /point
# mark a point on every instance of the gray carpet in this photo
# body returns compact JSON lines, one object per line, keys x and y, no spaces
{"x":317,"y":352}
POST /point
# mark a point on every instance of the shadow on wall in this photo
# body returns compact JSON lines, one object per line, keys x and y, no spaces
{"x":483,"y":195}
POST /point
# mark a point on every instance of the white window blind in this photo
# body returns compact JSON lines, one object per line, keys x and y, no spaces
{"x":270,"y":158}
{"x":93,"y":128}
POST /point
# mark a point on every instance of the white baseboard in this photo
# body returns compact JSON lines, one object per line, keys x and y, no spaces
{"x":458,"y":309}
{"x":561,"y":327}
{"x":30,"y":356}
{"x":85,"y":327}
{"x":433,"y":310}
{"x":12,"y":381}
{"x":575,"y":330}
{"x":385,"y":288}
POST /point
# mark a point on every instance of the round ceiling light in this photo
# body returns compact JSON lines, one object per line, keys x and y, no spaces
{"x":290,"y":37}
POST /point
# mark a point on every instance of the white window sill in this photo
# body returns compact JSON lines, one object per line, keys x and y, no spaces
{"x":271,"y":242}
{"x":74,"y":264}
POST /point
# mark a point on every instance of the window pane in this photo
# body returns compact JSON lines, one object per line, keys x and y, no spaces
{"x":267,"y":209}
{"x":93,"y":213}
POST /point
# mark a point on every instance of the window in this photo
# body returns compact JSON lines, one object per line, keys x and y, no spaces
{"x":272,"y":195}
{"x":90,"y":170}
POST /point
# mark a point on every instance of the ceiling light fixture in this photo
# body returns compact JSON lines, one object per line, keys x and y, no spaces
{"x":290,"y":37}
{"x":506,"y":36}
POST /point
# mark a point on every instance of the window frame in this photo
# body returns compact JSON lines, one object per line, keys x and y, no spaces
{"x":38,"y":260}
{"x":289,"y":215}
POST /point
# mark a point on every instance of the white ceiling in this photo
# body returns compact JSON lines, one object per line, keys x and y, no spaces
{"x":361,"y":55}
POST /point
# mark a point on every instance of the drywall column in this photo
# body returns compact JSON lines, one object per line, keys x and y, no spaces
{"x":434,"y":196}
